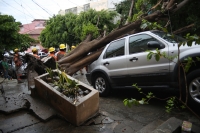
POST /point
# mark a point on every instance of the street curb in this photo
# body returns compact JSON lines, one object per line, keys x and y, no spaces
{"x":172,"y":125}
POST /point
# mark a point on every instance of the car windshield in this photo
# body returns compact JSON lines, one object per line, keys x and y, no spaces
{"x":169,"y":37}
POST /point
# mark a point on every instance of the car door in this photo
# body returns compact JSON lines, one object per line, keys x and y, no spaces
{"x":142,"y":71}
{"x":114,"y":62}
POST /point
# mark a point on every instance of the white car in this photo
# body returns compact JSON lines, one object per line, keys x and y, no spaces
{"x":42,"y":54}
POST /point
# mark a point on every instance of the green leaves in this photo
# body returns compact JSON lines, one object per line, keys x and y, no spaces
{"x":89,"y":29}
{"x":151,"y":25}
{"x":130,"y":102}
{"x":72,"y":28}
{"x":191,"y":39}
{"x":9,"y":36}
{"x":157,"y":55}
{"x":149,"y":55}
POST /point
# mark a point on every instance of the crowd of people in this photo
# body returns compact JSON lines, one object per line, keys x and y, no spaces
{"x":4,"y":66}
{"x":18,"y":62}
{"x":52,"y":52}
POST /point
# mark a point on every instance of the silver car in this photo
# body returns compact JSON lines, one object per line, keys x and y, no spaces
{"x":123,"y":62}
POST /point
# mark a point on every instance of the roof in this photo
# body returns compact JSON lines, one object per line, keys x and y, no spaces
{"x":35,"y":31}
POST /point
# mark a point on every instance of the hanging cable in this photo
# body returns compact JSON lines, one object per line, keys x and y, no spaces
{"x":74,"y":3}
{"x":56,"y":3}
{"x":25,"y":18}
{"x":34,"y":12}
{"x":42,"y":8}
{"x":16,"y":8}
{"x":22,"y":7}
{"x":45,"y":8}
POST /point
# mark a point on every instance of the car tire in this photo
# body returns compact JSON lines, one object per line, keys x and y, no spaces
{"x":101,"y":84}
{"x":193,"y":82}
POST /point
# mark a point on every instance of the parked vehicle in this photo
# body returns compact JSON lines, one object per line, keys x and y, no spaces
{"x":42,"y":54}
{"x":123,"y":62}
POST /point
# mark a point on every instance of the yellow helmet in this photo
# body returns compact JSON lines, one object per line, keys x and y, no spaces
{"x":34,"y":50}
{"x":73,"y":47}
{"x":62,"y":46}
{"x":51,"y":49}
{"x":16,"y":50}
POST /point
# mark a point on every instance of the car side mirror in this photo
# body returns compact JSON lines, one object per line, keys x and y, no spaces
{"x":155,"y":44}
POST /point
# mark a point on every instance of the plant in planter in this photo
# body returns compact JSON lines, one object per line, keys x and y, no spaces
{"x":74,"y":100}
{"x":61,"y":82}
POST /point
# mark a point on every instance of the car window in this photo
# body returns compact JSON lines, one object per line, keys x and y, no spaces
{"x":115,"y":49}
{"x":138,"y":43}
{"x":168,"y":37}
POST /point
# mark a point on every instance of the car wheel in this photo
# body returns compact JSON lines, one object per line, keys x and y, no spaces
{"x":101,"y":84}
{"x":193,"y":80}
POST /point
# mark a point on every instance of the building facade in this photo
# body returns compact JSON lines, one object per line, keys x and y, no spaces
{"x":33,"y":30}
{"x":92,"y":4}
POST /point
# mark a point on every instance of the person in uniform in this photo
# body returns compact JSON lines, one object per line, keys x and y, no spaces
{"x":35,"y":53}
{"x":52,"y":53}
{"x":18,"y":63}
{"x":62,"y":51}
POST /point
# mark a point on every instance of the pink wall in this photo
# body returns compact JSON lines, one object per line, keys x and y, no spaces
{"x":37,"y":23}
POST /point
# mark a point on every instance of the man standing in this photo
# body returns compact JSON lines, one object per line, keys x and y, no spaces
{"x":62,"y":51}
{"x":5,"y":69}
{"x":18,"y":64}
{"x":52,"y":53}
{"x":35,"y":53}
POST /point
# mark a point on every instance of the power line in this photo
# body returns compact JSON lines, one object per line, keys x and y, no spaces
{"x":57,"y":4}
{"x":23,"y":27}
{"x":42,"y":8}
{"x":30,"y":8}
{"x":23,"y":7}
{"x":25,"y":17}
{"x":16,"y":9}
{"x":46,"y":9}
{"x":73,"y":3}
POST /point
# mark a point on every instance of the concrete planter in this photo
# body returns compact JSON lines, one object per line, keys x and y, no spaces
{"x":76,"y":113}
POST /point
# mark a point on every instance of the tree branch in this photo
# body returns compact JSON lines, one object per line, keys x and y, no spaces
{"x":180,"y":5}
{"x":184,"y":29}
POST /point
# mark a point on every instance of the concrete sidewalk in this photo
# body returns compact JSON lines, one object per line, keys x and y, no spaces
{"x":22,"y":113}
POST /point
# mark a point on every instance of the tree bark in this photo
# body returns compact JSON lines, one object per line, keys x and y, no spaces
{"x":184,"y":29}
{"x":79,"y":57}
{"x":130,"y":14}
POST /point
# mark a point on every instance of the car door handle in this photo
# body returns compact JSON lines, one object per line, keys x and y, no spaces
{"x":106,"y":63}
{"x":134,"y":58}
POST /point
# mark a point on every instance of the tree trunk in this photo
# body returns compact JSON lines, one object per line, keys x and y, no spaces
{"x":130,"y":12}
{"x":80,"y":57}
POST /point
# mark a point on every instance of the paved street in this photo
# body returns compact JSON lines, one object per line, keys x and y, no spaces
{"x":21,"y":113}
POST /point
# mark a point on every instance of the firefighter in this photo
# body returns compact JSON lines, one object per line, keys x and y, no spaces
{"x":18,"y":63}
{"x":35,"y":53}
{"x":73,"y":47}
{"x":52,"y":53}
{"x":62,"y":51}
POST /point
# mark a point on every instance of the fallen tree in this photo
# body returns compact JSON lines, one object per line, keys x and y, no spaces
{"x":81,"y":57}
